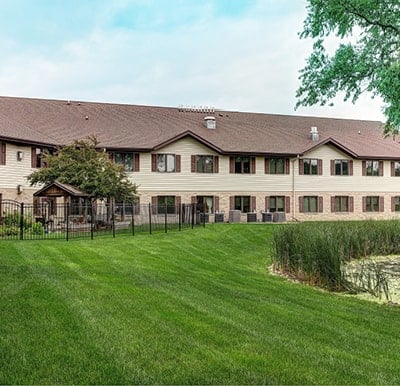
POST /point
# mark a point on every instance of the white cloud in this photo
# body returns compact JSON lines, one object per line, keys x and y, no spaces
{"x":247,"y":64}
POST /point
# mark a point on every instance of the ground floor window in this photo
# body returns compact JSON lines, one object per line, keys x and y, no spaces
{"x":341,"y":204}
{"x":242,"y":203}
{"x":372,"y":204}
{"x":396,"y":204}
{"x":310,"y":204}
{"x":277,"y":203}
{"x":205,"y":204}
{"x":166,"y":204}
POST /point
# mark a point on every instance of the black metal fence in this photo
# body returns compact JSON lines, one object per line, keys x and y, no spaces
{"x":46,"y":220}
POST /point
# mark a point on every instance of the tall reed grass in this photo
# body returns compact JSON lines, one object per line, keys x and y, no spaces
{"x":315,"y":252}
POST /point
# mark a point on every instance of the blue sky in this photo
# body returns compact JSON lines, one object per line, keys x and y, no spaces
{"x":231,"y":54}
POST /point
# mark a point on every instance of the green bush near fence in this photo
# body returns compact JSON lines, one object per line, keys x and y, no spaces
{"x":315,"y":252}
{"x":12,"y":225}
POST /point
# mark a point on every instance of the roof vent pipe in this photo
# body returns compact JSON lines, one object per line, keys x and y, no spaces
{"x":210,"y":122}
{"x":314,"y":135}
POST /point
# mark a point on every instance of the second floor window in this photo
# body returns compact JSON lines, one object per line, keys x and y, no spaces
{"x":372,"y":168}
{"x":2,"y":153}
{"x":395,"y":165}
{"x":277,"y":165}
{"x":341,"y":167}
{"x":37,"y":156}
{"x":242,"y":165}
{"x":166,"y":163}
{"x":310,"y":166}
{"x":124,"y":159}
{"x":204,"y":164}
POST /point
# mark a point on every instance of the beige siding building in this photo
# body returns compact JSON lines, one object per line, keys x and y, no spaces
{"x":305,"y":167}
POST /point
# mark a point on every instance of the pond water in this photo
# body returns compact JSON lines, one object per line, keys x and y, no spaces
{"x":388,"y":266}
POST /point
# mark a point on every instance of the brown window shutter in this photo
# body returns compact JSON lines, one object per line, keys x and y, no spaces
{"x":267,"y":203}
{"x":216,"y":164}
{"x":178,"y":163}
{"x":231,"y":164}
{"x":301,"y":204}
{"x":332,"y":168}
{"x":193,"y":199}
{"x":193,"y":163}
{"x":319,"y":167}
{"x":381,"y":204}
{"x":333,"y":204}
{"x":351,"y":204}
{"x":136,"y":163}
{"x":287,"y":166}
{"x":154,"y":204}
{"x":33,"y":157}
{"x":301,"y":167}
{"x":392,"y":168}
{"x":287,"y":204}
{"x":154,"y":162}
{"x":232,"y":202}
{"x":380,"y":168}
{"x":364,"y":204}
{"x":392,"y":203}
{"x":178,"y":200}
{"x":266,"y":166}
{"x":253,"y":203}
{"x":253,"y":165}
{"x":3,"y":155}
{"x":320,"y":204}
{"x":111,"y":156}
{"x":364,"y":168}
{"x":216,"y":204}
{"x":351,"y":167}
{"x":137,"y":205}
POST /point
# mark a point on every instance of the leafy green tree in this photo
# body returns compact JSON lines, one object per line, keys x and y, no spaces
{"x":82,"y":165}
{"x":370,"y":61}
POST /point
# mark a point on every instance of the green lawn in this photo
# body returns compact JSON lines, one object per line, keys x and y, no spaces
{"x":191,"y":307}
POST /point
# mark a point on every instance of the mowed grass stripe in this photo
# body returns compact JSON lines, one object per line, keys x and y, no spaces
{"x":192,"y":307}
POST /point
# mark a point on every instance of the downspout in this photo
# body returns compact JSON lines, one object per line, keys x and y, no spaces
{"x":294,"y":189}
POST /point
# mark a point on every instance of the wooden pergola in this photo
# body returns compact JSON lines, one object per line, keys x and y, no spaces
{"x":57,"y":189}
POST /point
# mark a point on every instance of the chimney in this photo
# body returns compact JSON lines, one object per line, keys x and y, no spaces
{"x":209,"y":122}
{"x":313,"y":135}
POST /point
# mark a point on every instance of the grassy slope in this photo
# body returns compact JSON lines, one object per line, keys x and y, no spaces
{"x":191,"y":307}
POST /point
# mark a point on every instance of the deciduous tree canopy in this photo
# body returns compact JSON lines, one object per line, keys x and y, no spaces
{"x":83,"y":166}
{"x":370,"y":61}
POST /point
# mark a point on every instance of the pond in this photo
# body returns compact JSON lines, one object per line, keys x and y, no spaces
{"x":385,"y":269}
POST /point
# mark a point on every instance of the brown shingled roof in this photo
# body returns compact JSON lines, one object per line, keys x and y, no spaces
{"x":121,"y":126}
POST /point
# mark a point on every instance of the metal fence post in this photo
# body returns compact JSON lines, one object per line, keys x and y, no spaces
{"x":21,"y":222}
{"x":166,"y":218}
{"x":133,"y":218}
{"x":180,"y":216}
{"x":112,"y":217}
{"x":92,"y":222}
{"x":67,"y":220}
{"x":193,"y":214}
{"x":150,"y":218}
